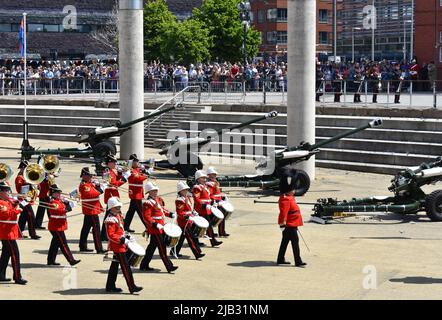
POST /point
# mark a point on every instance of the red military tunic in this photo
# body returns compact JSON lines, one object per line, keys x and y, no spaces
{"x":215,"y":190}
{"x":153,"y":213}
{"x":136,"y":187}
{"x":201,"y":198}
{"x":44,"y":189}
{"x":115,"y":182}
{"x":184,"y":210}
{"x":57,"y":216}
{"x":115,"y":231}
{"x":21,"y":182}
{"x":8,"y":220}
{"x":289,"y":212}
{"x":90,"y":199}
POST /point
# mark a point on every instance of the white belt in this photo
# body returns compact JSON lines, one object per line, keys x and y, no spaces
{"x":157,"y":218}
{"x":136,"y":185}
{"x":57,"y":217}
{"x":206,"y":201}
{"x":113,"y":188}
{"x":9,"y":222}
{"x":90,"y":200}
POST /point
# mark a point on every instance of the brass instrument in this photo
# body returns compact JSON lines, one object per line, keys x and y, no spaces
{"x":5,"y":172}
{"x":51,"y":165}
{"x":34,"y":174}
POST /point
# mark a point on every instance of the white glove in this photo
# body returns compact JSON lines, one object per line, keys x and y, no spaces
{"x":24,"y":203}
{"x":103,"y":186}
{"x":126,"y":241}
{"x":195,"y":213}
{"x":127,"y":174}
{"x":191,"y":218}
{"x":72,"y":204}
{"x":282,"y":228}
{"x":173,"y":215}
{"x":150,"y":171}
{"x":160,"y":226}
{"x":142,"y":167}
{"x":209,"y":207}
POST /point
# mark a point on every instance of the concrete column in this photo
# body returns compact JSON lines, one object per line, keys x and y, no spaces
{"x":301,"y":76}
{"x":131,"y":63}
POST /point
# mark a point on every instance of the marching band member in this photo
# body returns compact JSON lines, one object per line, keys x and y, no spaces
{"x":201,"y":198}
{"x":28,"y":215}
{"x":58,"y":209}
{"x":136,"y":189}
{"x":289,"y":218}
{"x":153,"y":213}
{"x":43,"y":197}
{"x":91,"y":207}
{"x":9,"y":233}
{"x":184,"y":211}
{"x":116,"y":181}
{"x":216,"y":196}
{"x":117,"y":243}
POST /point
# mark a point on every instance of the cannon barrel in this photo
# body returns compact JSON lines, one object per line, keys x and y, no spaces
{"x":372,"y":124}
{"x":152,"y":115}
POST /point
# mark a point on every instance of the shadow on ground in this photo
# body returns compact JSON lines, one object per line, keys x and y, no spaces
{"x":86,"y":291}
{"x":253,"y":264}
{"x":417,"y":280}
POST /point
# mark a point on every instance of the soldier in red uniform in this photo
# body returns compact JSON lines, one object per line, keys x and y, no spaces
{"x":136,"y":192}
{"x":91,"y":207}
{"x":57,"y":226}
{"x":202,"y":203}
{"x":289,"y":218}
{"x":153,"y":213}
{"x":118,"y":245}
{"x":9,"y":233}
{"x":28,"y":215}
{"x":43,"y":197}
{"x":116,"y":180}
{"x":216,"y":196}
{"x":185,"y":212}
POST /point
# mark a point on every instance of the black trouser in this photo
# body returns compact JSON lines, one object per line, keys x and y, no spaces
{"x":191,"y":240}
{"x":222,"y":228}
{"x":88,"y":223}
{"x":120,"y":260}
{"x":290,"y":234}
{"x":211,"y":235}
{"x":156,"y":241}
{"x":27,"y":216}
{"x":375,"y":93}
{"x":41,"y":213}
{"x":10,"y":251}
{"x":135,"y":205}
{"x":59,"y":242}
{"x":103,"y":227}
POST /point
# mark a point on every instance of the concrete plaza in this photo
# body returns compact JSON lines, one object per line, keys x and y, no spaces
{"x":404,"y":252}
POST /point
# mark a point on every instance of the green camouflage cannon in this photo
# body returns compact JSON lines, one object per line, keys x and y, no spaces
{"x":269,"y":170}
{"x":408,"y":197}
{"x":97,"y":141}
{"x":182,"y":153}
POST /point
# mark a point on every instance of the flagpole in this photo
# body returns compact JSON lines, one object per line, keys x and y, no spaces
{"x":25,"y":144}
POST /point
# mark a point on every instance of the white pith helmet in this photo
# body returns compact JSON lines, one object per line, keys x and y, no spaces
{"x":151,"y":187}
{"x":211,"y":170}
{"x":182,"y":185}
{"x":113,"y":203}
{"x":200,"y":174}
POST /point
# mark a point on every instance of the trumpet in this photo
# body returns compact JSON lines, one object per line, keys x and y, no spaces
{"x":5,"y":172}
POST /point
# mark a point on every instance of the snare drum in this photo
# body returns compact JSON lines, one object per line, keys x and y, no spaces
{"x":135,"y":253}
{"x":199,"y":227}
{"x":172,"y":234}
{"x":226,"y":208}
{"x":216,"y":217}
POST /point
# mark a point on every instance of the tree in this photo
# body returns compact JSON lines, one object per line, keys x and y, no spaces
{"x":108,"y":34}
{"x":226,"y":30}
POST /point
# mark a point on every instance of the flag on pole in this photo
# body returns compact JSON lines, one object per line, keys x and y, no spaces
{"x":22,"y":37}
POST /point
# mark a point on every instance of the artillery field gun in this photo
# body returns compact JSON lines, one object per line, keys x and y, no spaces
{"x":182,"y":153}
{"x":408,"y":198}
{"x":269,"y":170}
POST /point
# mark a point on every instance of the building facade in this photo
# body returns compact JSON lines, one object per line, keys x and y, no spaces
{"x":392,"y":34}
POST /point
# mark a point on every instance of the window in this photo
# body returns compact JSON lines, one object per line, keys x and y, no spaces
{"x":35,"y":27}
{"x":282,"y":15}
{"x":271,"y":37}
{"x":440,"y":35}
{"x":252,"y":16}
{"x":5,"y":27}
{"x":323,"y":16}
{"x":440,"y":53}
{"x":261,"y":16}
{"x":281,"y":37}
{"x":272,"y":15}
{"x":323,"y":37}
{"x":51,"y":28}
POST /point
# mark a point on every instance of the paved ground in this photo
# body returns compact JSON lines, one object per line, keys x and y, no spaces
{"x":405,"y":253}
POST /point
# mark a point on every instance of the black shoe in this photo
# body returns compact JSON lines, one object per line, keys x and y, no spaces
{"x":172,"y":269}
{"x":130,"y":230}
{"x":146,"y":268}
{"x":179,"y":255}
{"x":86,"y":250}
{"x":282,"y":262}
{"x":53,"y":264}
{"x":301,"y":265}
{"x":21,"y":282}
{"x":215,"y":235}
{"x":40,"y":228}
{"x":101,"y":252}
{"x":216,"y":243}
{"x":202,"y":245}
{"x":136,"y":289}
{"x":225,"y":235}
{"x":3,"y":279}
{"x":114,"y":290}
{"x":75,"y":262}
{"x":200,"y":256}
{"x":35,"y":237}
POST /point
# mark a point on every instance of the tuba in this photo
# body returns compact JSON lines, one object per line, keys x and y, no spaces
{"x":5,"y":172}
{"x":34,"y":174}
{"x":51,"y":165}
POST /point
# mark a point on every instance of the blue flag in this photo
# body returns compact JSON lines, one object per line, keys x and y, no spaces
{"x":22,"y":38}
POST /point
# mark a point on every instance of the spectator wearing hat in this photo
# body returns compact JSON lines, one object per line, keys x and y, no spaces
{"x":136,"y":192}
{"x":28,"y":216}
{"x":58,"y":224}
{"x":289,"y":218}
{"x":91,"y":207}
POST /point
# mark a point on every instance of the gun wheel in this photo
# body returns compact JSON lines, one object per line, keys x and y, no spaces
{"x":433,"y":206}
{"x":302,"y":184}
{"x":103,"y":149}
